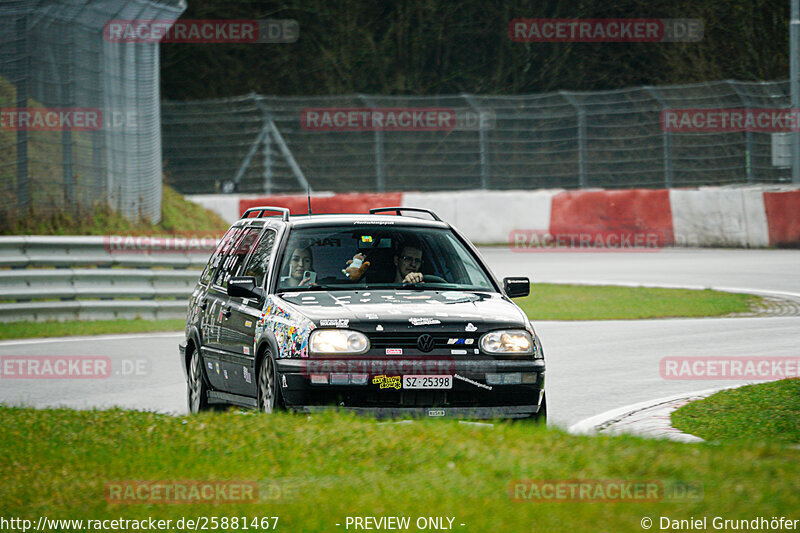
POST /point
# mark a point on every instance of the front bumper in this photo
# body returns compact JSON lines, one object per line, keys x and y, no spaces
{"x":481,"y":388}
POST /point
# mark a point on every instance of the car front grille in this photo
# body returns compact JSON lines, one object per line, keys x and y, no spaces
{"x":408,"y":341}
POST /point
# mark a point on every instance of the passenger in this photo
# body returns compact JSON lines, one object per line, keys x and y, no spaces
{"x":407,"y":264}
{"x":300,"y":262}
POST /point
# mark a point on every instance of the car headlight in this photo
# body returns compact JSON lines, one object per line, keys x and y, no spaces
{"x":337,"y":341}
{"x":507,"y":341}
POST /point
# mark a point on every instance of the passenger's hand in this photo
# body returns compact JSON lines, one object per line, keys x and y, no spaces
{"x":413,"y":277}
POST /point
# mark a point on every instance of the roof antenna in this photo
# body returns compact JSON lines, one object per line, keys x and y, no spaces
{"x":308,"y":195}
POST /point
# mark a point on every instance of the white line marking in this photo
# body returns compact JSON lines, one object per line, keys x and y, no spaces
{"x":587,"y":425}
{"x":89,"y":338}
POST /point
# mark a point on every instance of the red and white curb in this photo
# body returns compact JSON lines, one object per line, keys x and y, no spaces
{"x":744,"y":216}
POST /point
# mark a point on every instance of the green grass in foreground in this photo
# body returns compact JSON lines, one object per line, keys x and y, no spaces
{"x":765,"y":412}
{"x":547,"y":302}
{"x":315,"y":471}
{"x":26,"y":330}
{"x":589,"y":302}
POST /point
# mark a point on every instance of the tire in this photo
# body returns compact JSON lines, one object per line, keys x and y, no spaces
{"x":267,"y":385}
{"x":197,"y":390}
{"x":541,"y":416}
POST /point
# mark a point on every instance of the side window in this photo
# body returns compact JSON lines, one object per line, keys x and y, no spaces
{"x":234,"y":260}
{"x":216,"y":257}
{"x":258,"y":266}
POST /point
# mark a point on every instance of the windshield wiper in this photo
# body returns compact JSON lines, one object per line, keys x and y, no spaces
{"x":309,"y":288}
{"x":429,"y":285}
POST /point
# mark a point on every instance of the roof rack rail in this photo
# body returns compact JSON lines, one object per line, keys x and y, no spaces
{"x":397,"y":211}
{"x":284,"y":212}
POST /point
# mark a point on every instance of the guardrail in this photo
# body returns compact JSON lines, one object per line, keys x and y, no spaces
{"x":89,"y":278}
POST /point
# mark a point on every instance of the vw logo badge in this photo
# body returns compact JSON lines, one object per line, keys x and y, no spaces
{"x":425,"y":343}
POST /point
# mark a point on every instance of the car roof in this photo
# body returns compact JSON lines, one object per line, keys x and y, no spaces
{"x":352,"y":218}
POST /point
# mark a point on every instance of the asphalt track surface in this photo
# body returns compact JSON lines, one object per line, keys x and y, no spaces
{"x":592,"y":366}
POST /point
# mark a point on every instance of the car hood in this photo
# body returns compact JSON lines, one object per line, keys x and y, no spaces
{"x":398,"y":309}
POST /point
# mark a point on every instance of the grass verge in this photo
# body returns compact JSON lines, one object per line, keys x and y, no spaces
{"x":763,"y":412}
{"x":547,"y":302}
{"x":178,"y":217}
{"x":590,"y":302}
{"x":27,"y":330}
{"x":313,"y":472}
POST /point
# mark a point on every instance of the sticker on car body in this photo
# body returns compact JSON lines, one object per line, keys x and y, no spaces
{"x":335,"y":322}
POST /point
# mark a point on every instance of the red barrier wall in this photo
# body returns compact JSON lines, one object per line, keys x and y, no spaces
{"x":783,"y":218}
{"x":642,"y":212}
{"x":338,"y":203}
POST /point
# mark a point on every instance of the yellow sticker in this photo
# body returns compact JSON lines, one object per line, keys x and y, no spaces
{"x":247,"y":323}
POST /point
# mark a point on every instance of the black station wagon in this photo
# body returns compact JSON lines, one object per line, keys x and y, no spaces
{"x":392,"y":313}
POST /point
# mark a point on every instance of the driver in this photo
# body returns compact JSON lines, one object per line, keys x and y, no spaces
{"x":408,"y":262}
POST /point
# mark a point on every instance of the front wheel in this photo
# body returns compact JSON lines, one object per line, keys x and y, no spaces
{"x":197,"y":393}
{"x":267,"y":385}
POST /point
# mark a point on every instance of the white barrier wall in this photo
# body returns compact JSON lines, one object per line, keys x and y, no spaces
{"x":719,"y":217}
{"x":488,"y":216}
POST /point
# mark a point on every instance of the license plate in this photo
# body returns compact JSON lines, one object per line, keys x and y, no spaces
{"x":428,"y":382}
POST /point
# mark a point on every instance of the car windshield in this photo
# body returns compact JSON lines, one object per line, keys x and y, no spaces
{"x":390,"y":257}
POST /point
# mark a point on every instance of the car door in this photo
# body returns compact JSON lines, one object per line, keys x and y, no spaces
{"x":245,"y":313}
{"x":218,"y":313}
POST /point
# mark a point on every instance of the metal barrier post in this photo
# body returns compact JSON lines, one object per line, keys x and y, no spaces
{"x":666,"y":137}
{"x":581,"y":114}
{"x":482,"y":140}
{"x":748,"y":153}
{"x":380,"y":178}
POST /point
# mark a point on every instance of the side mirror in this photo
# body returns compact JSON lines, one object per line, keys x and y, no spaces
{"x":244,"y":287}
{"x":515,"y":287}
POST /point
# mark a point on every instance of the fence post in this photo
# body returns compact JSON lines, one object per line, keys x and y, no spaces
{"x":482,"y":140}
{"x":380,"y":178}
{"x":581,"y":114}
{"x":267,"y":150}
{"x":23,"y":191}
{"x":271,"y":130}
{"x":63,"y":84}
{"x":748,"y":152}
{"x":666,"y":137}
{"x":794,"y":84}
